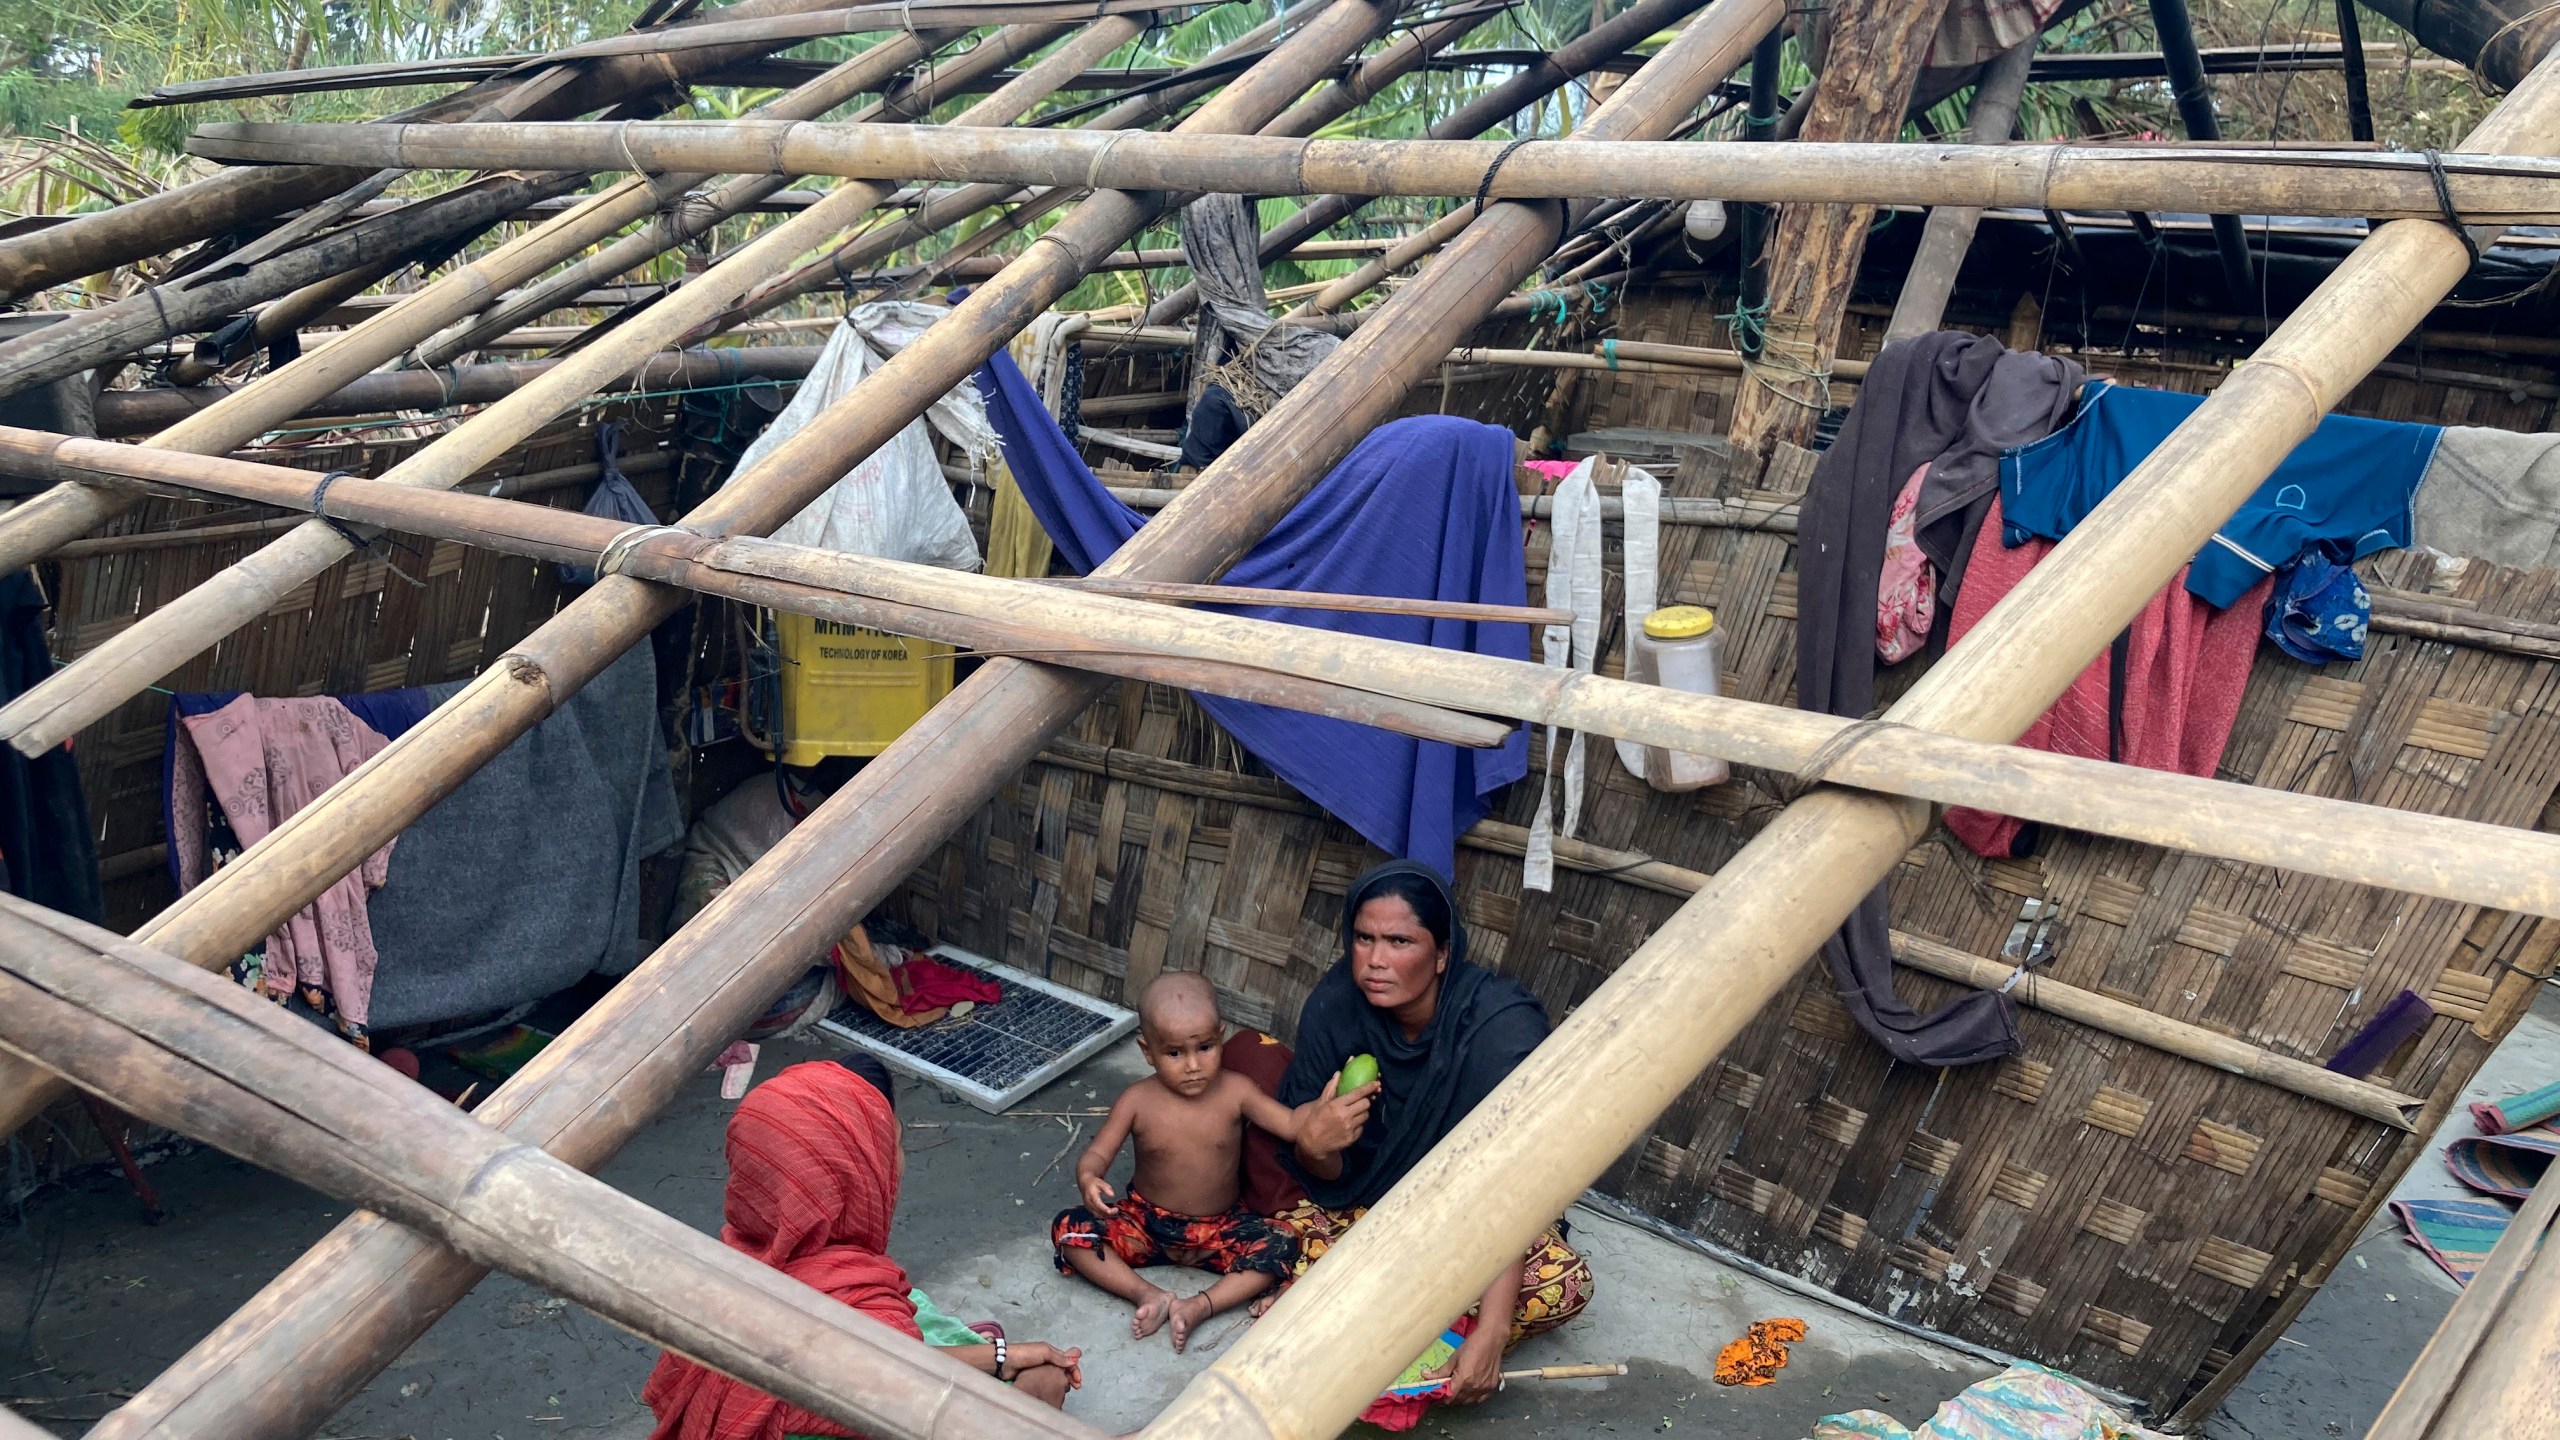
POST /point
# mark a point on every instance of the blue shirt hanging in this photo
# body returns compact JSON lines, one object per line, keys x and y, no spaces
{"x":2350,"y":483}
{"x":1423,"y":508}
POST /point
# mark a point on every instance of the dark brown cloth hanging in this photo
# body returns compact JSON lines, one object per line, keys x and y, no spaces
{"x":1952,"y":401}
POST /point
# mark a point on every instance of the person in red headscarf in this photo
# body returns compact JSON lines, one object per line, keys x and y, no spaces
{"x":814,"y":1166}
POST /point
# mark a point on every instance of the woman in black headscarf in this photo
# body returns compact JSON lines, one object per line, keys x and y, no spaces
{"x":1444,"y":1032}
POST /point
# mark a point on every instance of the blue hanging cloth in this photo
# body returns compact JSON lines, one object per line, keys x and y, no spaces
{"x":614,"y":499}
{"x":1424,"y":508}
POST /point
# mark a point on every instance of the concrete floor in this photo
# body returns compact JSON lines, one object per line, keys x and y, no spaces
{"x":93,"y":1304}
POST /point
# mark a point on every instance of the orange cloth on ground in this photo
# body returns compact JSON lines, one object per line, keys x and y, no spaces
{"x":813,"y":1179}
{"x":867,"y":978}
{"x":1759,"y":1355}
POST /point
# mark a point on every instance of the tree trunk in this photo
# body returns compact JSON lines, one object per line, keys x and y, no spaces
{"x":1875,"y":51}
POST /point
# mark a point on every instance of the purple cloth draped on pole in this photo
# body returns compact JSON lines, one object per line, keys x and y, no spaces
{"x":1422,"y":509}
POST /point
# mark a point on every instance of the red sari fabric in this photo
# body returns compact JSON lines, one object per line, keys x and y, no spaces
{"x":813,"y":1180}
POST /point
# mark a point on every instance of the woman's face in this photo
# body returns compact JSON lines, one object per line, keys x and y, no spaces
{"x":1394,"y":960}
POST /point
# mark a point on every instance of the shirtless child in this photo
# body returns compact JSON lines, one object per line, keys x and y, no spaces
{"x":1182,"y":1206}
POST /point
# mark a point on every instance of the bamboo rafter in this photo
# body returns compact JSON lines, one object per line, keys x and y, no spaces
{"x":2485,"y":189}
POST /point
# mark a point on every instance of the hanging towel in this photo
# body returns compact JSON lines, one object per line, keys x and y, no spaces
{"x":1423,"y":508}
{"x":2492,"y":495}
{"x":2350,"y":482}
{"x":1640,"y":498}
{"x":1233,"y":332}
{"x":1939,"y":406}
{"x":1574,"y":584}
{"x":2184,"y":666}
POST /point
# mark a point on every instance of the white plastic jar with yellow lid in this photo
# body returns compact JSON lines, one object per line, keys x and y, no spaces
{"x":1679,"y":648}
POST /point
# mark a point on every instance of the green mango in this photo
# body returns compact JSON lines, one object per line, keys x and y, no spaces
{"x":1357,"y":1071}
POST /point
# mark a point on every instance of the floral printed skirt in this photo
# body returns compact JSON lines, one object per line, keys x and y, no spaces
{"x":1553,"y":1289}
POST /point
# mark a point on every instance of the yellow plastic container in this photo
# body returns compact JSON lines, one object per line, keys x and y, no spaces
{"x":849,"y":689}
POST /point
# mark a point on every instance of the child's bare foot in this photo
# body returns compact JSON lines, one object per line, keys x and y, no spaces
{"x":1188,"y":1312}
{"x":1153,"y":1308}
{"x":1262,"y":1305}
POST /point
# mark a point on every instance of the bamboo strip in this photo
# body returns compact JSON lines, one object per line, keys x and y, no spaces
{"x":34,"y":529}
{"x":340,"y":1313}
{"x":1680,"y":999}
{"x":164,"y":1041}
{"x":92,"y":686}
{"x":2486,"y":189}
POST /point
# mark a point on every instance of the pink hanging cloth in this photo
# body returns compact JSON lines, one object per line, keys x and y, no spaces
{"x":2186,"y":666}
{"x":263,"y":760}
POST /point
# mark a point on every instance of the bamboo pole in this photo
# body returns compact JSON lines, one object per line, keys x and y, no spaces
{"x":693,"y":218}
{"x":131,"y":412}
{"x":35,"y":528}
{"x":1407,"y":253}
{"x":166,"y":1042}
{"x":774,"y":32}
{"x":298,"y":254}
{"x":109,"y":333}
{"x":1946,"y":237}
{"x":2493,"y":866}
{"x":2415,"y":1406}
{"x":1679,"y":1000}
{"x":88,"y":689}
{"x":339,"y":1314}
{"x":281,"y":318}
{"x":2486,"y":189}
{"x":2085,"y":1007}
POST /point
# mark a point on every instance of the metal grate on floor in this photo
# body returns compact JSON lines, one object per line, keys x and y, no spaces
{"x":998,"y":1054}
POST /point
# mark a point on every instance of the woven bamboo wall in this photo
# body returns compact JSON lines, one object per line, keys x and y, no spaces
{"x":2097,"y":1205}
